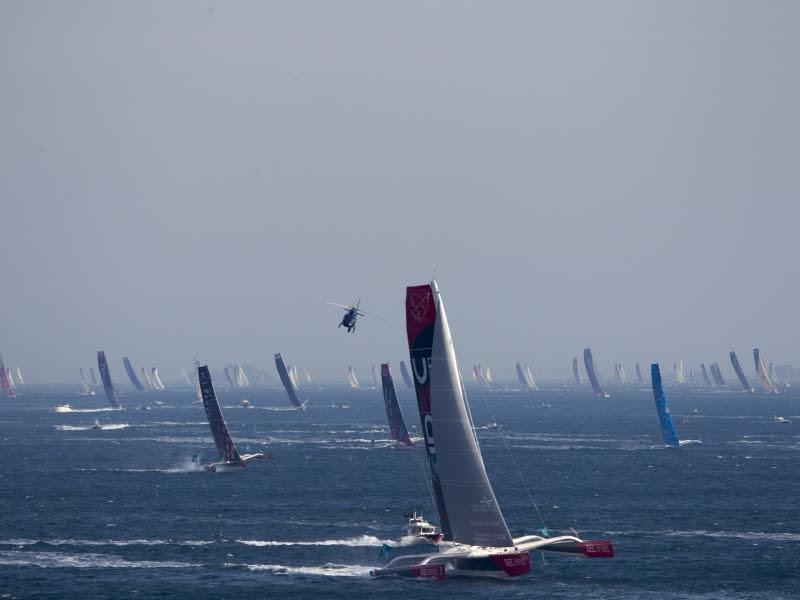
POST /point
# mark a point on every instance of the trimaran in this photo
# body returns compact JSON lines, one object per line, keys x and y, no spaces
{"x":477,"y":541}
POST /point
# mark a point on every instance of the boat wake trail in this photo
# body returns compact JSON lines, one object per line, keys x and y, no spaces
{"x":362,"y":540}
{"x":326,"y":570}
{"x":64,"y":409}
{"x":107,"y":427}
{"x":61,"y":560}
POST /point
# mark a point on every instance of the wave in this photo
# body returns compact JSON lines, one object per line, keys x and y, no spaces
{"x":69,"y":409}
{"x":362,"y":540}
{"x":104,"y":427}
{"x":326,"y":570}
{"x":91,"y":543}
{"x":61,"y":560}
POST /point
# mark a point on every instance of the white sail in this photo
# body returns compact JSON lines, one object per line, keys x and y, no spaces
{"x":307,"y":375}
{"x":352,"y":380}
{"x":487,"y":375}
{"x":157,"y":380}
{"x":19,"y":377}
{"x":148,"y":383}
{"x":11,"y":378}
{"x":87,"y":389}
{"x":529,"y":378}
{"x":375,"y":377}
{"x":241,"y":378}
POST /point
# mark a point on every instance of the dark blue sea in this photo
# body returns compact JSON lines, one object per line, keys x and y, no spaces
{"x":123,"y":512}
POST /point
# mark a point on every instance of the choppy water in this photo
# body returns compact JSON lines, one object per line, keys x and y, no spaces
{"x":123,"y":512}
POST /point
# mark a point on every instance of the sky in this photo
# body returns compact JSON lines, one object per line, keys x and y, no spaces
{"x":196,"y":179}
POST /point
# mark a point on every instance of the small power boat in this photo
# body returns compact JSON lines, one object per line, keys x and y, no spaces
{"x":780,"y":420}
{"x":418,"y":527}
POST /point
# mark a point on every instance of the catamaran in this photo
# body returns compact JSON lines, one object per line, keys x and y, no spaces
{"x":289,"y":384}
{"x":591,"y":371}
{"x":132,"y":374}
{"x":740,"y":373}
{"x":397,"y":425}
{"x":6,"y":381}
{"x":231,"y":460}
{"x":476,"y":539}
{"x":105,"y":375}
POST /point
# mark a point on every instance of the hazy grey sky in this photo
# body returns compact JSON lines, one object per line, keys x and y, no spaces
{"x":183,"y":179}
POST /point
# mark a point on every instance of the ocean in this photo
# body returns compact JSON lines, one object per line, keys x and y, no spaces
{"x":123,"y":512}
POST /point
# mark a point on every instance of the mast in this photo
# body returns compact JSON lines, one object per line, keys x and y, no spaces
{"x":468,"y":509}
{"x":132,"y":374}
{"x":591,"y":371}
{"x":740,"y":373}
{"x":397,"y":425}
{"x":219,"y":429}
{"x":667,"y":426}
{"x":105,"y":375}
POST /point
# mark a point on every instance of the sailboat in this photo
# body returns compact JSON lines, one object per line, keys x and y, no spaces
{"x":375,"y":378}
{"x":639,"y":377}
{"x":405,"y":374}
{"x":289,"y":384}
{"x":763,"y":374}
{"x":576,"y":374}
{"x":591,"y":371}
{"x":241,"y":378}
{"x":87,"y":389}
{"x":397,"y":425}
{"x":526,"y":377}
{"x":147,"y":381}
{"x":132,"y":374}
{"x":186,"y":378}
{"x":22,"y":381}
{"x":667,"y":426}
{"x":352,"y":381}
{"x":717,"y":374}
{"x":740,"y":373}
{"x":704,"y":373}
{"x":6,"y":381}
{"x":93,"y":376}
{"x":230,"y":458}
{"x":157,"y":379}
{"x":105,"y":375}
{"x":477,"y":541}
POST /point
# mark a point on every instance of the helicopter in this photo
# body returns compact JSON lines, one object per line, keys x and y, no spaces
{"x":351,"y":314}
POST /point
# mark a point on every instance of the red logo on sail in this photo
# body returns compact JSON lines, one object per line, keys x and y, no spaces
{"x":418,"y":305}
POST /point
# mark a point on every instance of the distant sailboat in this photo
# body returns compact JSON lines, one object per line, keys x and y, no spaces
{"x":619,"y":374}
{"x":289,"y":384}
{"x":352,"y":381}
{"x":229,"y":455}
{"x":763,"y":374}
{"x":22,"y":381}
{"x":639,"y":377}
{"x":740,"y":373}
{"x":87,"y":389}
{"x":704,"y":373}
{"x":241,"y":378}
{"x":471,"y":519}
{"x":105,"y":375}
{"x":405,"y":374}
{"x":157,"y":380}
{"x":591,"y":371}
{"x":375,"y":379}
{"x":678,"y":370}
{"x":6,"y":381}
{"x":717,"y":375}
{"x":93,"y":376}
{"x":186,"y":378}
{"x":667,"y":426}
{"x":148,"y":383}
{"x":526,"y":377}
{"x":397,"y":425}
{"x":11,"y":378}
{"x":132,"y":374}
{"x":576,"y":373}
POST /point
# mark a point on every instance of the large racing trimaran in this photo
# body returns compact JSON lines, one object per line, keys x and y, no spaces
{"x":477,"y":541}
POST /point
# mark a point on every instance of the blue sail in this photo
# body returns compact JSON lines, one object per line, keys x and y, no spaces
{"x":132,"y":374}
{"x":591,"y":371}
{"x":667,"y":427}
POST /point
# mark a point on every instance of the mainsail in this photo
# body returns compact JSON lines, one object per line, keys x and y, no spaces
{"x":529,"y":378}
{"x":591,"y":371}
{"x":576,"y":373}
{"x":19,"y":377}
{"x":405,"y":374}
{"x":639,"y":376}
{"x":241,"y":378}
{"x":288,"y":382}
{"x":5,"y":380}
{"x":763,"y":374}
{"x":397,"y":425}
{"x":667,"y":427}
{"x":157,"y":379}
{"x":147,"y":381}
{"x":105,"y":375}
{"x":219,"y":430}
{"x":132,"y":374}
{"x":619,"y":374}
{"x":740,"y":373}
{"x":704,"y":372}
{"x":468,"y":509}
{"x":352,"y":381}
{"x":717,"y":374}
{"x":521,"y":376}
